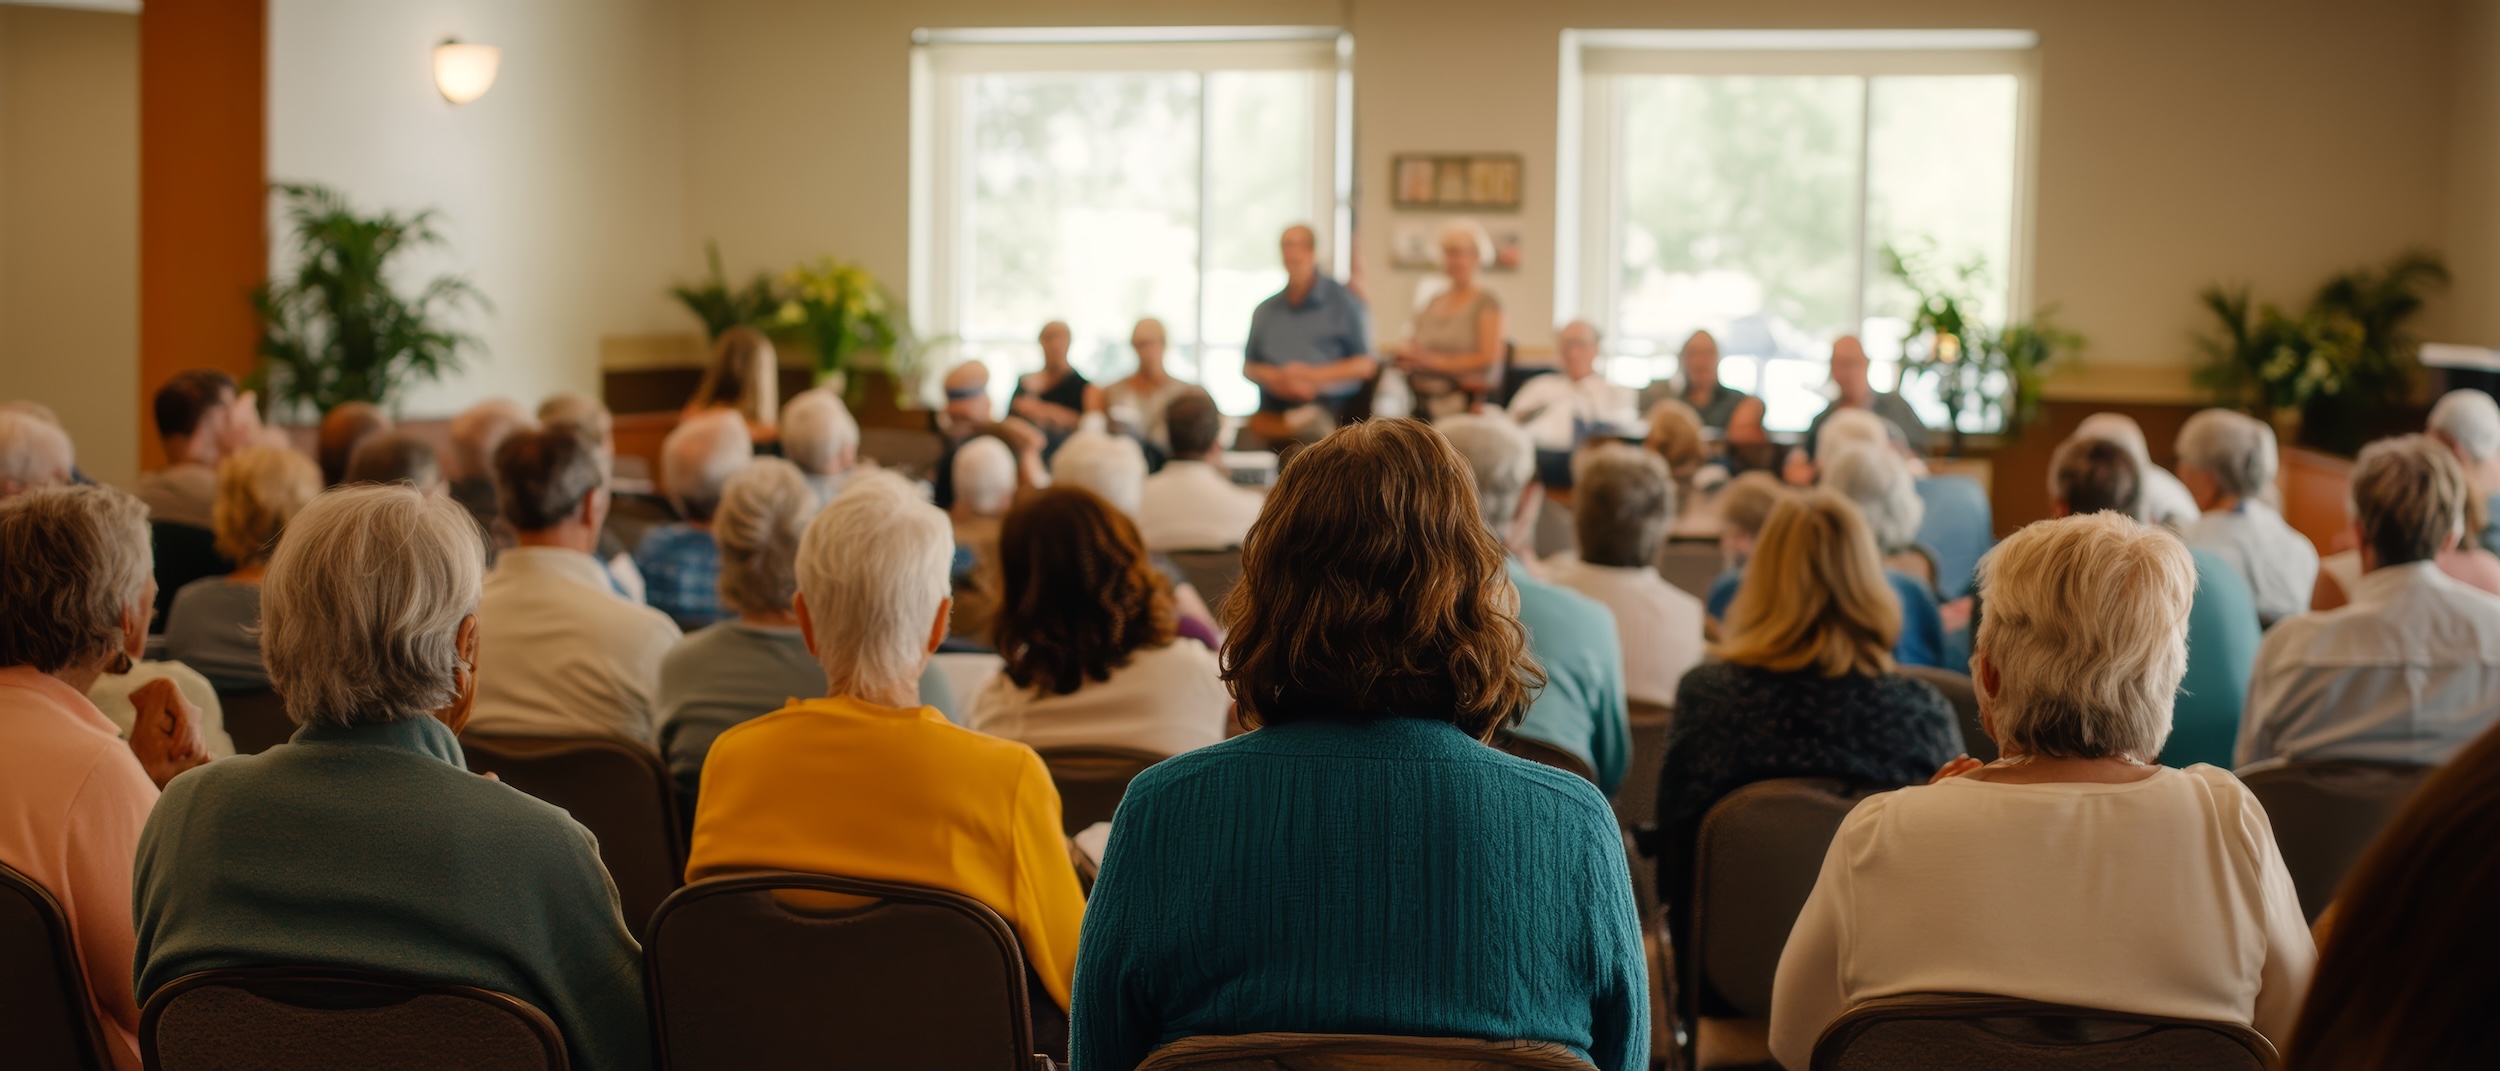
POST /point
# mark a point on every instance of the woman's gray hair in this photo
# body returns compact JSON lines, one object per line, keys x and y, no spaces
{"x":985,"y":476}
{"x":1112,"y":466}
{"x":2467,"y":419}
{"x":1875,"y":479}
{"x":699,"y":455}
{"x":874,"y":566}
{"x":817,"y":433}
{"x":2236,"y":449}
{"x":2086,"y":631}
{"x":34,"y":453}
{"x":1502,"y":459}
{"x":764,"y":511}
{"x":1622,"y":502}
{"x":360,"y":613}
{"x":2408,"y":498}
{"x":76,"y":561}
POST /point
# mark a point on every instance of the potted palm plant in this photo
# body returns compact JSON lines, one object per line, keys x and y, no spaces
{"x":1995,"y":373}
{"x":336,"y":330}
{"x":2331,"y":374}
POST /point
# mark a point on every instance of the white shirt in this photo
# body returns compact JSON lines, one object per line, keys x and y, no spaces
{"x":1192,"y":505}
{"x":561,"y":654}
{"x":2165,"y":896}
{"x":2166,"y":501}
{"x":2408,"y":671}
{"x":2279,"y":564}
{"x":1166,"y":700}
{"x":1554,"y":407}
{"x":1658,"y":623}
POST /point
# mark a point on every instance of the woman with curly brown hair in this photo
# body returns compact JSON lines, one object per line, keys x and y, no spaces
{"x":1086,"y":623}
{"x":1363,"y":863}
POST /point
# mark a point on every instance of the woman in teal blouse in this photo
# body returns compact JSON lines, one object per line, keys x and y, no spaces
{"x":1363,"y":863}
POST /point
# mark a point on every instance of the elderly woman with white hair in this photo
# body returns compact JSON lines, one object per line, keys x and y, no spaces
{"x":2227,"y":460}
{"x":365,"y":842}
{"x":2467,"y":422}
{"x":733,"y":670}
{"x":74,"y":605}
{"x":819,"y":436}
{"x":34,"y":454}
{"x":2075,"y":869}
{"x":1453,"y":348}
{"x":679,"y":561}
{"x":954,"y":809}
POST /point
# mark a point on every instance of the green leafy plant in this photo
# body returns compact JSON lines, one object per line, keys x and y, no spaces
{"x":2337,"y":367}
{"x":336,"y":330}
{"x":721,"y":306}
{"x":848,"y":317}
{"x":1993,"y":373}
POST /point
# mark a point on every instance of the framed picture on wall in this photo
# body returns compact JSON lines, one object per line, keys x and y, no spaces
{"x":1457,"y":181}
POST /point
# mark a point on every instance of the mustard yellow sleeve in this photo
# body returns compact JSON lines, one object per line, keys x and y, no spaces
{"x":1049,"y":904}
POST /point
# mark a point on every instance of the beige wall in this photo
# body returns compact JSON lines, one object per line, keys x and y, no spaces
{"x":2261,"y":141}
{"x":560,"y":191}
{"x":2474,"y":209}
{"x":69,"y":225}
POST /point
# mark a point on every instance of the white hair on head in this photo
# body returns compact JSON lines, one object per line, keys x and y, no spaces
{"x":360,"y":612}
{"x":2117,"y":428}
{"x":700,"y":455}
{"x":479,"y":429}
{"x":2236,"y":449}
{"x":2468,"y":419}
{"x":817,"y":433}
{"x":1108,"y":465}
{"x":581,"y":411}
{"x":1500,"y":456}
{"x":1875,"y":480}
{"x":985,"y":476}
{"x":764,"y":510}
{"x":1852,"y":426}
{"x":33,"y":454}
{"x":1471,"y":232}
{"x":2087,"y":631}
{"x":874,"y":567}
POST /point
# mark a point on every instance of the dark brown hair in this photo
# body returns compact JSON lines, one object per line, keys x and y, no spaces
{"x":541,"y":475}
{"x":187,"y":397}
{"x":1078,"y":593}
{"x":2413,"y":954}
{"x":1370,"y":588}
{"x":2095,"y":476}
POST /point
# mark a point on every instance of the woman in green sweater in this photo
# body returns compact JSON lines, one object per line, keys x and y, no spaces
{"x":1363,"y":863}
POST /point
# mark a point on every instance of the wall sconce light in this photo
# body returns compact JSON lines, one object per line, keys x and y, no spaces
{"x":464,"y":72}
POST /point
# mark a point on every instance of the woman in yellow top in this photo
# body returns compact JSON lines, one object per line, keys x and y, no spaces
{"x":867,"y":782}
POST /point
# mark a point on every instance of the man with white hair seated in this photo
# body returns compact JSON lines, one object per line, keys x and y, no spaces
{"x":1193,"y":504}
{"x":475,"y":433}
{"x":1573,"y":402}
{"x":1114,"y":466}
{"x":2409,"y":671}
{"x":679,"y":561}
{"x":819,"y":436}
{"x":2227,"y":460}
{"x":2467,"y":422}
{"x":564,"y":654}
{"x":1583,"y":708}
{"x":1622,"y":505}
{"x":868,"y":782}
{"x":34,"y":454}
{"x":2164,"y":500}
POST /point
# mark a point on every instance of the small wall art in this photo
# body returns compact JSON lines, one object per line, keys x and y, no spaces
{"x":1457,"y":181}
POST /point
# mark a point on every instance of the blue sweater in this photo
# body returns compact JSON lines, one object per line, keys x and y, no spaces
{"x":1393,"y":877}
{"x":1583,"y":708}
{"x":374,"y":848}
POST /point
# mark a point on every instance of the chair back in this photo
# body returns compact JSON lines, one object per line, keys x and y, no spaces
{"x":1959,"y":691}
{"x":1953,"y":1031}
{"x":1091,"y":780}
{"x":2325,"y":815}
{"x":1691,"y":566}
{"x":618,"y":789}
{"x":255,"y":720}
{"x":1212,"y":572}
{"x":1636,"y":799}
{"x":1760,"y":850}
{"x":783,"y":970}
{"x":47,"y":1020}
{"x":290,"y":1018}
{"x":1358,"y":1052}
{"x":1542,"y":753}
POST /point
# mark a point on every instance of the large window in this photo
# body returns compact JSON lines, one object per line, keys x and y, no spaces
{"x":1751,"y":184}
{"x":1101,"y":177}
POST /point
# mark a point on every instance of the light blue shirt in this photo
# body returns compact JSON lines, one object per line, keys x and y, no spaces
{"x":1329,"y":325}
{"x":2408,"y":671}
{"x":1583,"y":709}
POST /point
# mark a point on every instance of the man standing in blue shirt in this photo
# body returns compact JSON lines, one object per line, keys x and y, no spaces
{"x":1310,"y":344}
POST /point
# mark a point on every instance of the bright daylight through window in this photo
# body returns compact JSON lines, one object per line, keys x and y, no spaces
{"x":1119,"y":177}
{"x":1758,"y":186}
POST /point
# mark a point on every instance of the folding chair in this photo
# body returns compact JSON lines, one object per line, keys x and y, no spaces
{"x":1091,"y":780}
{"x":1922,"y":1031}
{"x":315,"y":1019}
{"x":1959,"y":691}
{"x":1359,"y":1052}
{"x":1760,"y":851}
{"x":2325,"y":814}
{"x":619,"y":790}
{"x":47,"y":1017}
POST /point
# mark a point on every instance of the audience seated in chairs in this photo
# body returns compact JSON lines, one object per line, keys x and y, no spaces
{"x":1193,"y":503}
{"x":1376,"y":648}
{"x":364,"y":843}
{"x":1087,"y":629}
{"x":475,"y":433}
{"x":952,"y":808}
{"x":1114,"y":467}
{"x":2088,"y":476}
{"x":566,"y":653}
{"x":2467,"y":422}
{"x":592,"y":418}
{"x":214,"y":623}
{"x":750,"y":665}
{"x":2410,"y":955}
{"x":2227,"y":460}
{"x":2167,"y":502}
{"x":2074,"y":870}
{"x":2466,"y":562}
{"x":345,"y":427}
{"x":199,"y":420}
{"x":1804,"y":687}
{"x":985,"y":486}
{"x":819,"y":436}
{"x":680,"y":563}
{"x":74,"y":605}
{"x":1879,"y":481}
{"x":397,"y":457}
{"x":34,"y":454}
{"x":1582,"y":709}
{"x":2409,"y":671}
{"x":1622,"y":505}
